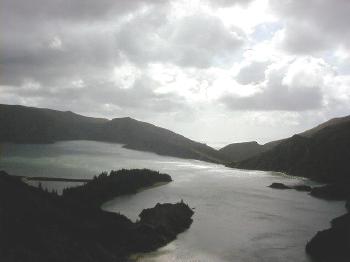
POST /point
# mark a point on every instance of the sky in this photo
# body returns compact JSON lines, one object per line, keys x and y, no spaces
{"x":216,"y":71}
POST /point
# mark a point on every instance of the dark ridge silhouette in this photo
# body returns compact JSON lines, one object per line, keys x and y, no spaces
{"x":39,"y":226}
{"x":324,"y":156}
{"x":237,"y":152}
{"x":338,"y":191}
{"x":331,"y":122}
{"x":105,"y":187}
{"x":20,"y":124}
{"x":240,"y":151}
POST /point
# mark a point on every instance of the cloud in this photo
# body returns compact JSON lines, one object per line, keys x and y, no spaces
{"x":251,"y":73}
{"x":71,"y":53}
{"x":303,"y":39}
{"x":83,"y":10}
{"x":297,"y":85}
{"x":48,"y":41}
{"x":313,"y":26}
{"x":139,"y":99}
{"x":199,"y":62}
{"x":229,"y":3}
{"x":198,"y":40}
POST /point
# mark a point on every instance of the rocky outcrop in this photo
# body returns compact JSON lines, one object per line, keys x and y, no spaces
{"x":332,"y":244}
{"x":279,"y":186}
{"x":170,"y":219}
{"x":163,"y":222}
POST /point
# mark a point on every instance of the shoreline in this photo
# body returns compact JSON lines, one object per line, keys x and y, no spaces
{"x":101,"y":235}
{"x":57,"y":179}
{"x":157,"y":184}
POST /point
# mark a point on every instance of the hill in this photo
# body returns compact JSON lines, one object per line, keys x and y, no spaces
{"x":322,"y":156}
{"x":240,"y":151}
{"x":331,"y":122}
{"x":20,"y":124}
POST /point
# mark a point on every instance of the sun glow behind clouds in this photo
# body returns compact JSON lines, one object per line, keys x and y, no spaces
{"x":124,"y":76}
{"x":247,"y":17}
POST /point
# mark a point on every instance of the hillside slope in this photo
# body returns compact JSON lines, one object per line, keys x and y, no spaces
{"x":241,"y":151}
{"x":331,"y":122}
{"x":21,"y":124}
{"x":324,"y":156}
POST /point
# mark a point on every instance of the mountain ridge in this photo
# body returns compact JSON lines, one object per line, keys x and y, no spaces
{"x":21,"y":124}
{"x":233,"y":151}
{"x":323,"y":156}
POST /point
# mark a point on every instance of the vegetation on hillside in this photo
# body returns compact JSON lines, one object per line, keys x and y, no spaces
{"x":107,"y":186}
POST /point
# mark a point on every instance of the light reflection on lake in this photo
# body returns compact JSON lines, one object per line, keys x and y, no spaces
{"x":237,"y":217}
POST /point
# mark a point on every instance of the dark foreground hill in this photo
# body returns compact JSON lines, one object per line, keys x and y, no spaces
{"x":37,"y":226}
{"x":322,"y":156}
{"x":21,"y":124}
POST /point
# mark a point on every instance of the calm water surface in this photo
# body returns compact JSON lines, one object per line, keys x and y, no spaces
{"x":237,"y":217}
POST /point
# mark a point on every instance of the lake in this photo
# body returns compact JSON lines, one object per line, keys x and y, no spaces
{"x":237,"y":217}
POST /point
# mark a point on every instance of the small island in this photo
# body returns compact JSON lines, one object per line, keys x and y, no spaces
{"x":279,"y":186}
{"x":66,"y":228}
{"x":298,"y":187}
